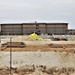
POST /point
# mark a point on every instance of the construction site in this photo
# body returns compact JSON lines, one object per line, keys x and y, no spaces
{"x":37,"y":54}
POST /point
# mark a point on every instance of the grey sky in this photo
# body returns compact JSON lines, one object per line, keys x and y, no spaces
{"x":38,"y":10}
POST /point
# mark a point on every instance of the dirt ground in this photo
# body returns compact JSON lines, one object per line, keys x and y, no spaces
{"x":47,"y":47}
{"x":38,"y":70}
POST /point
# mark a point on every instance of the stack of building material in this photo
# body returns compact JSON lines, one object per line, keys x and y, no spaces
{"x":13,"y":44}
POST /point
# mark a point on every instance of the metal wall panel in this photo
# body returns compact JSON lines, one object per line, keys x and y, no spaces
{"x":12,"y":29}
{"x":49,"y":28}
{"x":0,"y":28}
{"x":57,"y":29}
{"x":28,"y":29}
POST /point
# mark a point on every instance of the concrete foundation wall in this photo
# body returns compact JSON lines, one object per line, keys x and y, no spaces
{"x":52,"y":59}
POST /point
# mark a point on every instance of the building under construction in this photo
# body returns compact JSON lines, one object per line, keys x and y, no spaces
{"x":28,"y":28}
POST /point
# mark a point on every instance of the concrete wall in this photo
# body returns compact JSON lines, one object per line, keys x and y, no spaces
{"x":52,"y":59}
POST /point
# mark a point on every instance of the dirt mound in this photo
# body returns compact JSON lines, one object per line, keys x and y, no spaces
{"x":48,"y":47}
{"x":38,"y":70}
{"x":61,"y":45}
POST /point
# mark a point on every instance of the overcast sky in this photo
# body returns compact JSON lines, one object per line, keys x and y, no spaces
{"x":62,"y":11}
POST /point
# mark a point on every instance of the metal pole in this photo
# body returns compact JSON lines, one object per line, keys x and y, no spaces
{"x":10,"y":56}
{"x":0,"y":41}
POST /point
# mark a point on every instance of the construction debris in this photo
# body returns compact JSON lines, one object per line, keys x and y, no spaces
{"x":12,"y":44}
